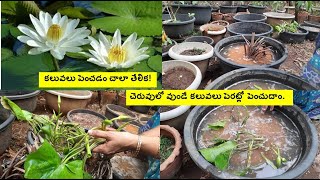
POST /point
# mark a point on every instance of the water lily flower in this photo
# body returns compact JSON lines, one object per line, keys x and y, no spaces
{"x":114,"y":54}
{"x":55,"y":34}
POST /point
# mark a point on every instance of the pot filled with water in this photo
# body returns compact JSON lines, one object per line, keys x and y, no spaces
{"x":236,"y":52}
{"x":239,"y":141}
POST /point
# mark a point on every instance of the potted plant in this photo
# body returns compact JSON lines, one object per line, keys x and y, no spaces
{"x":214,"y":31}
{"x":315,"y":15}
{"x":290,"y":33}
{"x":228,"y":17}
{"x":257,"y":7}
{"x":170,"y":151}
{"x":177,"y":25}
{"x":178,"y":74}
{"x":304,"y":8}
{"x":278,"y":6}
{"x":221,"y":22}
{"x":167,"y":43}
{"x":201,"y":12}
{"x":196,"y":52}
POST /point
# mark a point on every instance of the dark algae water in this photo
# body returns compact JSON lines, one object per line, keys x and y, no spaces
{"x":267,"y":133}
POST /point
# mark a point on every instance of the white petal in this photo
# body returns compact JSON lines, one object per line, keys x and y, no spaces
{"x":75,"y":43}
{"x":58,"y":54}
{"x":104,"y":40}
{"x":73,"y":49}
{"x":138,"y":43}
{"x":29,"y":32}
{"x":63,"y":23}
{"x":24,"y":39}
{"x":56,"y":18}
{"x":99,"y":63}
{"x":103,"y":49}
{"x":34,"y":51}
{"x":97,"y":56}
{"x":94,"y":44}
{"x":34,"y":43}
{"x":116,"y":38}
{"x":128,"y":64}
{"x":38,"y":26}
{"x":42,"y":17}
{"x":47,"y":22}
{"x":70,"y":27}
{"x":80,"y":33}
{"x":130,"y":39}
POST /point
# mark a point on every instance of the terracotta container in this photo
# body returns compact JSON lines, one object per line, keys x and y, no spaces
{"x":302,"y":16}
{"x":220,"y":22}
{"x":216,"y":16}
{"x":70,"y":99}
{"x":215,"y":31}
{"x":314,"y":18}
{"x":108,"y":97}
{"x":229,"y":17}
{"x":122,"y":100}
{"x":173,"y":163}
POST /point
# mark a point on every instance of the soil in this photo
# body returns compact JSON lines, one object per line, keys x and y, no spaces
{"x":193,"y":52}
{"x":177,"y":78}
{"x":85,"y":120}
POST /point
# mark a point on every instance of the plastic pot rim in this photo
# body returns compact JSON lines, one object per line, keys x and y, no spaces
{"x":70,"y":96}
{"x":23,"y":96}
{"x":201,"y":57}
{"x":259,"y":23}
{"x":191,"y":20}
{"x":7,"y":122}
{"x":236,"y":17}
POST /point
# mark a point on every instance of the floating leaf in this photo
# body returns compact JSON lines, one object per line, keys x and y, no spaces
{"x":6,"y":53}
{"x":155,"y":63}
{"x":76,"y":12}
{"x":53,"y":7}
{"x":5,"y":30}
{"x":217,"y":125}
{"x":15,"y":32}
{"x":142,"y":66}
{"x":142,"y":17}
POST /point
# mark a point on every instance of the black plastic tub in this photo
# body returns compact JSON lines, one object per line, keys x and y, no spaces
{"x":26,"y":100}
{"x":202,"y":13}
{"x":256,"y":9}
{"x":313,"y":32}
{"x":6,"y":119}
{"x":312,"y":24}
{"x":228,"y":9}
{"x":279,"y":49}
{"x":288,"y":37}
{"x":214,"y":9}
{"x":242,"y":8}
{"x":202,"y":39}
{"x":183,"y":27}
{"x":308,"y":134}
{"x":165,"y":50}
{"x":250,"y":17}
{"x":247,"y":28}
{"x":246,"y":74}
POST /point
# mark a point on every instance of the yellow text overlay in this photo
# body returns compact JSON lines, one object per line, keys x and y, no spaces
{"x":97,"y":79}
{"x":208,"y":97}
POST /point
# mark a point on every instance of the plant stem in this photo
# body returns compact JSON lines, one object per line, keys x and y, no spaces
{"x":56,"y":64}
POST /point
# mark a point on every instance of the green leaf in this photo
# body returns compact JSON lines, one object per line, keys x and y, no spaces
{"x":76,"y":12}
{"x":15,"y":32}
{"x":77,"y":55}
{"x":16,"y":110}
{"x":219,"y":154}
{"x":81,"y":66}
{"x":22,"y":72}
{"x":142,"y":17}
{"x":45,"y":163}
{"x":5,"y":53}
{"x":155,"y":63}
{"x":217,"y":125}
{"x":159,"y":49}
{"x":142,"y":66}
{"x":5,"y":30}
{"x":150,"y":51}
{"x":53,"y":7}
{"x":8,"y":7}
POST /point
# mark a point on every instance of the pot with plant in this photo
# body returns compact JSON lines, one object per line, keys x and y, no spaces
{"x":167,"y":43}
{"x":201,"y":12}
{"x":304,"y":8}
{"x":196,"y":52}
{"x":314,"y":16}
{"x":177,"y":25}
{"x":257,"y":7}
{"x":291,"y":33}
{"x":170,"y":151}
{"x":228,"y":17}
{"x":178,"y":75}
{"x":221,"y":22}
{"x":214,"y":31}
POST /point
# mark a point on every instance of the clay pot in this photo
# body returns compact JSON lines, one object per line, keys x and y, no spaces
{"x":229,"y":17}
{"x":220,"y":22}
{"x":70,"y":99}
{"x":108,"y":97}
{"x":274,"y":18}
{"x":290,"y":9}
{"x":173,"y":163}
{"x":302,"y":16}
{"x":314,"y":18}
{"x":122,"y":100}
{"x":216,"y":16}
{"x":215,"y":31}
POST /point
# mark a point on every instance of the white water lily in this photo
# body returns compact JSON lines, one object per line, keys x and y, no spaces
{"x":114,"y":54}
{"x":55,"y":34}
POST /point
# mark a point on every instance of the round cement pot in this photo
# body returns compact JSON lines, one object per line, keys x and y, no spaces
{"x":274,"y":18}
{"x":214,"y":31}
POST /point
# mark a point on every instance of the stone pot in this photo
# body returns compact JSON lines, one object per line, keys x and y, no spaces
{"x":216,"y":16}
{"x":274,"y":18}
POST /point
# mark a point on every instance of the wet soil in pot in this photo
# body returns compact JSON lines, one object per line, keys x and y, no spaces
{"x":236,"y":52}
{"x":268,"y":131}
{"x":177,"y":78}
{"x":85,"y":120}
{"x":193,"y":52}
{"x":166,"y":148}
{"x":257,"y":84}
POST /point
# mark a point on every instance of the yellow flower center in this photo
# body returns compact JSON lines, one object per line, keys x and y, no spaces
{"x":117,"y":54}
{"x":54,"y":33}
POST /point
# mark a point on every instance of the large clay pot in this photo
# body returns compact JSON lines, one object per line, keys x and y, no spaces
{"x":215,"y":31}
{"x":302,"y":16}
{"x":229,"y":17}
{"x":173,"y":163}
{"x":314,"y":18}
{"x":274,"y":18}
{"x":216,"y":16}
